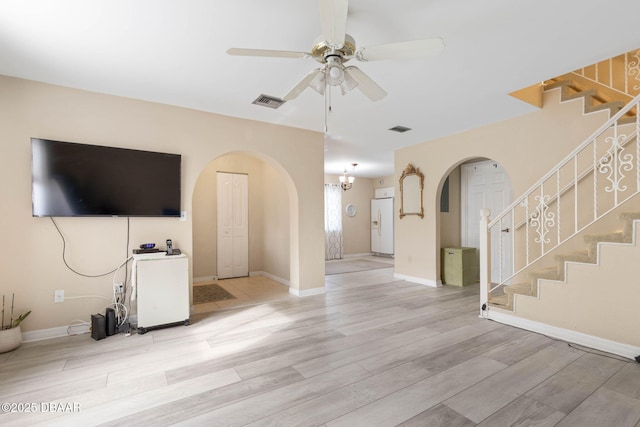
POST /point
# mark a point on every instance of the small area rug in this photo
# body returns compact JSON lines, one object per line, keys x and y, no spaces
{"x":339,"y":267}
{"x":210,"y":293}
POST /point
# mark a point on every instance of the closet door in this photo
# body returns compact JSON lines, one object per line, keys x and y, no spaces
{"x":486,"y":184}
{"x":233,"y":225}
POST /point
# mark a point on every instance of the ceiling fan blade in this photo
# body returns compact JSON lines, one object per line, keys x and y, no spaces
{"x":365,"y":84}
{"x":268,"y":53}
{"x":304,"y":83}
{"x":333,"y":16}
{"x":414,"y":49}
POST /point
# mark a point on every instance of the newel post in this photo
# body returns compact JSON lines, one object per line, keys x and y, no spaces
{"x":485,"y":259}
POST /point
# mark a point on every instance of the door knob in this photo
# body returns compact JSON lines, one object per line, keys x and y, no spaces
{"x":506,"y":230}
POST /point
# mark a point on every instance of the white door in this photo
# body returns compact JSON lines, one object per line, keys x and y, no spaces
{"x":233,"y":225}
{"x":382,"y":226}
{"x":486,"y":185}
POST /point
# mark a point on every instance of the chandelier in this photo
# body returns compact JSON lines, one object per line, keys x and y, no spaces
{"x":346,"y":181}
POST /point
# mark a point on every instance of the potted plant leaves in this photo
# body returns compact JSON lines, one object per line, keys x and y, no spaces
{"x":10,"y":333}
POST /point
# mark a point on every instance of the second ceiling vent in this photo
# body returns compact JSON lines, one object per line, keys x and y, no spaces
{"x":400,"y":129}
{"x":268,"y":101}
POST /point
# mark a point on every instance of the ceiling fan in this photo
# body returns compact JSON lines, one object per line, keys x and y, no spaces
{"x":336,"y":47}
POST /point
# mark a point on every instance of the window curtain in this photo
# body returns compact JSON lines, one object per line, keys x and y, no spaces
{"x":332,"y":221}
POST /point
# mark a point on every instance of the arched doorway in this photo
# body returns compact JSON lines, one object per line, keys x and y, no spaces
{"x":469,"y":186}
{"x":270,"y":217}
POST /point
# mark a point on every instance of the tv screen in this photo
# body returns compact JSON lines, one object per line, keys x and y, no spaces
{"x":71,"y":179}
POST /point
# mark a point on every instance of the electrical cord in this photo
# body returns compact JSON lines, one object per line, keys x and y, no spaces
{"x":64,"y":249}
{"x":594,"y":351}
{"x":118,"y":302}
{"x":84,"y":323}
{"x":88,"y":296}
{"x":78,"y":324}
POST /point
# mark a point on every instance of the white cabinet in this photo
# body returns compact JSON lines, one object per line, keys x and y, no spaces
{"x":162,"y":290}
{"x":381,"y":193}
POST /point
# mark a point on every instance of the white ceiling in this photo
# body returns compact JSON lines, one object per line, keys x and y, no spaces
{"x":173,"y":52}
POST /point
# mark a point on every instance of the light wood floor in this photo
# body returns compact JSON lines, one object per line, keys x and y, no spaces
{"x":371,"y":352}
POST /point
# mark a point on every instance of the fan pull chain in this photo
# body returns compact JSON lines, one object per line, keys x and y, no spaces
{"x":327,"y":107}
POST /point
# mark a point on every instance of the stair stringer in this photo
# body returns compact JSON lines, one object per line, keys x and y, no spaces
{"x":573,"y":87}
{"x":591,"y":101}
{"x":600,"y":299}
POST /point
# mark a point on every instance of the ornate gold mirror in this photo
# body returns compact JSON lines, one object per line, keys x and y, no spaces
{"x":411,"y":185}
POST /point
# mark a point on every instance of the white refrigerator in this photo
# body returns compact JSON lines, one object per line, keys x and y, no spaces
{"x":382,"y":226}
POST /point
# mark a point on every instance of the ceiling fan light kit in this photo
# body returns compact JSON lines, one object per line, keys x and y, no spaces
{"x":336,"y":47}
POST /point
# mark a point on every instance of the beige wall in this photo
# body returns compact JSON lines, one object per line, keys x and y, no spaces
{"x":275,"y":220}
{"x":384,"y":182}
{"x":450,"y":221}
{"x":356,"y":230}
{"x":268,"y":217}
{"x":597,"y":299}
{"x":32,"y":266}
{"x":527,"y":147}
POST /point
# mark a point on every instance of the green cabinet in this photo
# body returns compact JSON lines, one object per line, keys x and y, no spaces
{"x":459,"y":266}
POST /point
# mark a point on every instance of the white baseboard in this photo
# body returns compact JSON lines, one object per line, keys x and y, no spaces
{"x":270,"y":276}
{"x":307,"y":292}
{"x":57,"y":332}
{"x":579,"y":338}
{"x":205,"y":279}
{"x":251,"y":274}
{"x":357,"y":255}
{"x":419,"y":280}
{"x":45,"y":334}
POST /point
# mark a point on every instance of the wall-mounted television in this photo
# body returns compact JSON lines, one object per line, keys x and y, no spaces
{"x":71,"y":179}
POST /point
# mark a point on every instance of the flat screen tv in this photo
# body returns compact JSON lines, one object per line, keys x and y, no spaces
{"x":71,"y":179}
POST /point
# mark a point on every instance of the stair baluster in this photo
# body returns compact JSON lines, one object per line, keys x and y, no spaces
{"x":537,"y":213}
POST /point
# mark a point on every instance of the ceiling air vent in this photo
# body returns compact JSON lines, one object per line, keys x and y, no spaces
{"x":400,"y":129}
{"x":268,"y":101}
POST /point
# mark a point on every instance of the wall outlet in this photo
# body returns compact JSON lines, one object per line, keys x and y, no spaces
{"x":58,"y":296}
{"x":118,"y":288}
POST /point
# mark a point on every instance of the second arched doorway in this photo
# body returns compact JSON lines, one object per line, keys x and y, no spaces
{"x":470,"y":186}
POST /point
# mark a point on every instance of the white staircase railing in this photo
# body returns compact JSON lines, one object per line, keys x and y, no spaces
{"x":594,"y":179}
{"x":620,"y":73}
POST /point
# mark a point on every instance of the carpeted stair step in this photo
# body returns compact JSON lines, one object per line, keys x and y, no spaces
{"x":627,"y":219}
{"x":531,"y":288}
{"x":550,"y":273}
{"x":613,"y":106}
{"x":627,"y":119}
{"x":580,"y":256}
{"x":593,"y":101}
{"x":593,"y":240}
{"x":504,"y":301}
{"x":521,"y":289}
